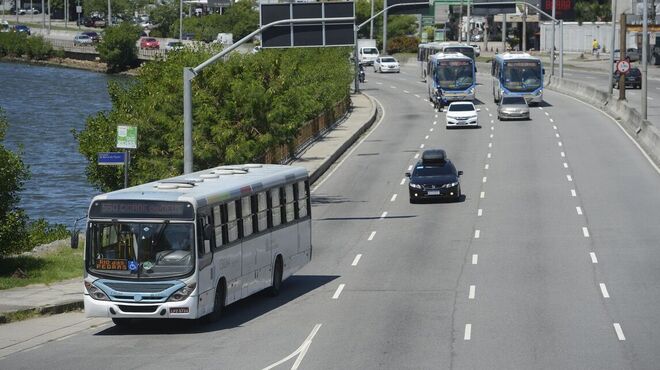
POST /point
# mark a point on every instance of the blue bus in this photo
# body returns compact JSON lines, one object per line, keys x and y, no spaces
{"x":517,"y":74}
{"x":453,"y":74}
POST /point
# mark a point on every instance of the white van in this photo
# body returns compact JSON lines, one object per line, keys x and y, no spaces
{"x":367,"y":55}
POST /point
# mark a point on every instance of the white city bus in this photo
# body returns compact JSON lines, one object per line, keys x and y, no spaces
{"x":517,"y":74}
{"x":187,"y":246}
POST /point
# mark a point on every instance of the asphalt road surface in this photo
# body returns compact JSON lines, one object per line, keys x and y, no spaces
{"x":549,"y":262}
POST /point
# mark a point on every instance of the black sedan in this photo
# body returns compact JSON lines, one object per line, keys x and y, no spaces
{"x":434,"y":177}
{"x":633,"y":78}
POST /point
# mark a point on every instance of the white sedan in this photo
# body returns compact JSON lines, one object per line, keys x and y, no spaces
{"x":386,"y":64}
{"x":462,"y":114}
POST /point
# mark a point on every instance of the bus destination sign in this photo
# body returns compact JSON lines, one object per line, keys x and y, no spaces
{"x":141,"y":209}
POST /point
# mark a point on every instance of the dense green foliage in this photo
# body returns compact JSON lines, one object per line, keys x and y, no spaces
{"x":41,"y":232}
{"x":122,"y":8}
{"x":13,"y":221}
{"x":592,"y":11}
{"x":402,"y":44}
{"x":118,"y":47}
{"x":241,"y":108}
{"x":60,"y":264}
{"x":397,"y":25}
{"x":18,"y":44}
{"x":240,"y":19}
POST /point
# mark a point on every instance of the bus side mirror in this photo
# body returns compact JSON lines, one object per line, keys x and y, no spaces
{"x":543,"y":70}
{"x":74,"y":239}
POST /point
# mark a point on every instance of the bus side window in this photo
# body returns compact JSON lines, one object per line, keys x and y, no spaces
{"x":204,"y":245}
{"x":232,"y":223}
{"x":275,"y":207}
{"x":289,"y":203}
{"x":262,"y":211}
{"x":217,"y":226}
{"x":246,"y":216}
{"x":302,"y":199}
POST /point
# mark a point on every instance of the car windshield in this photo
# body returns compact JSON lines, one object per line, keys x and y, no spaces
{"x":513,"y":100}
{"x":434,"y":170}
{"x":141,"y":250}
{"x":388,"y":60}
{"x":461,"y":107}
{"x":83,"y":37}
{"x":369,"y":51}
{"x":635,"y":72}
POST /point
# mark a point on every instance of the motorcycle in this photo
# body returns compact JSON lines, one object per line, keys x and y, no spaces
{"x":362,"y":75}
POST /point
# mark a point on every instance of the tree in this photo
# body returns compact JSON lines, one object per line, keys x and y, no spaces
{"x":592,"y":11}
{"x":165,"y":17}
{"x":13,"y":220}
{"x":117,"y":48}
{"x":242,"y":108}
{"x":397,"y":25}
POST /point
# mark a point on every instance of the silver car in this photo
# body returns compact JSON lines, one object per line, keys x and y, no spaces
{"x":512,"y":107}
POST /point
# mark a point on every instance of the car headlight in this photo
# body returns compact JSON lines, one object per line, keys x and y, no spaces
{"x":416,"y":186}
{"x":471,"y":91}
{"x":450,"y":185}
{"x":182,"y":293}
{"x":95,"y":292}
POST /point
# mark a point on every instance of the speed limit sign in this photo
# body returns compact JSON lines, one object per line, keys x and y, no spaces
{"x":623,"y":66}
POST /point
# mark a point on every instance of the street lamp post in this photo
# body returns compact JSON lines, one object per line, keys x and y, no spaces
{"x":552,"y":50}
{"x":645,"y":42}
{"x":384,"y":28}
{"x":610,"y":78}
{"x":180,"y":20}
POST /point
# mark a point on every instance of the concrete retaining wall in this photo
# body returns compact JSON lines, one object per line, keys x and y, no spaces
{"x":645,"y":133}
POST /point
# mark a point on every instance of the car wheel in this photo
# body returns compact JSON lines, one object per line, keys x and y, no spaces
{"x":218,"y":302}
{"x":413,"y":201}
{"x":458,"y":194}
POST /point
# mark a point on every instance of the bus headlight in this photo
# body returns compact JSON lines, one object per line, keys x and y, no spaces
{"x":95,"y":292}
{"x":182,"y":293}
{"x":471,"y":91}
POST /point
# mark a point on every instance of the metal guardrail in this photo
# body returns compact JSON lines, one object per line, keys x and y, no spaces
{"x":69,"y":46}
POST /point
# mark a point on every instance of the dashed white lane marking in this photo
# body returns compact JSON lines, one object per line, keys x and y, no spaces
{"x":491,"y":136}
{"x":554,"y":127}
{"x":403,"y":181}
{"x":468,"y":332}
{"x":565,"y":165}
{"x":547,"y":114}
{"x":484,"y":179}
{"x":431,"y":130}
{"x":551,"y":120}
{"x":392,"y":87}
{"x":541,"y":108}
{"x":380,"y":83}
{"x":472,"y":291}
{"x":490,"y":145}
{"x":421,"y":146}
{"x":619,"y":331}
{"x":475,"y":259}
{"x":477,"y":233}
{"x":393,"y":198}
{"x":603,"y":290}
{"x":569,"y":178}
{"x":557,"y":136}
{"x":417,"y":96}
{"x":435,"y":122}
{"x":482,"y":195}
{"x":593,"y":257}
{"x":406,"y":91}
{"x":486,"y":166}
{"x":492,"y":121}
{"x":492,"y":127}
{"x":416,"y":155}
{"x":356,"y":260}
{"x":573,"y":194}
{"x":410,"y":167}
{"x":382,"y":216}
{"x":578,"y":210}
{"x":480,"y":212}
{"x":490,"y":114}
{"x":487,"y":109}
{"x":426,"y":137}
{"x":436,"y":116}
{"x":371,"y":236}
{"x":559,"y":143}
{"x":585,"y":232}
{"x":488,"y":155}
{"x":338,"y":291}
{"x":563,"y":154}
{"x":649,"y":98}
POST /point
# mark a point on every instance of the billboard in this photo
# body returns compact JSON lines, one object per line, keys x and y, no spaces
{"x":409,"y":9}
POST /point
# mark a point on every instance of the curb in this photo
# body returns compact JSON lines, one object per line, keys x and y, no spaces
{"x":347,"y":144}
{"x":72,"y":305}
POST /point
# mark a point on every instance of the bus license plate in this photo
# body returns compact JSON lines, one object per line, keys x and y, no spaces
{"x":179,"y":310}
{"x":434,"y":192}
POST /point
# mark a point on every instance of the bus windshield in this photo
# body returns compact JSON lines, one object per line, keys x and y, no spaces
{"x":141,"y":250}
{"x":522,"y":76}
{"x":455,"y":75}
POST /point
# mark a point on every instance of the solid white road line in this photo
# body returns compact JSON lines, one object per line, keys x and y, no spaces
{"x":573,"y":194}
{"x":468,"y":332}
{"x":371,"y":236}
{"x":482,"y":195}
{"x":480,"y":212}
{"x":619,"y":332}
{"x":593,"y":257}
{"x":356,"y":260}
{"x":484,"y":179}
{"x":338,"y":291}
{"x":475,"y":259}
{"x":579,"y":210}
{"x":585,"y":232}
{"x":563,"y":154}
{"x":301,"y":351}
{"x":383,"y":215}
{"x":569,"y":178}
{"x":565,"y":165}
{"x":403,"y":181}
{"x":471,"y":294}
{"x":477,"y":234}
{"x":393,"y":198}
{"x":486,"y":166}
{"x":416,"y":155}
{"x":603,"y":290}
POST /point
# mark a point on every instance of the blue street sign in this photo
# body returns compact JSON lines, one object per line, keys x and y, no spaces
{"x":112,"y":159}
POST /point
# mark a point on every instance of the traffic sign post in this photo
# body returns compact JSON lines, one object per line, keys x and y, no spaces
{"x":126,"y":139}
{"x":111,"y":158}
{"x":623,"y":66}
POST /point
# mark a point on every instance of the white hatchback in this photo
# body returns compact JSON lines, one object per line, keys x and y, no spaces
{"x":386,"y":64}
{"x":462,"y":114}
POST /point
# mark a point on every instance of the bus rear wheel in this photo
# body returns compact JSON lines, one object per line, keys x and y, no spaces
{"x":277,"y":278}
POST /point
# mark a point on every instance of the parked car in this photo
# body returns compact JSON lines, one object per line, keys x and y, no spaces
{"x":94,"y":21}
{"x":4,"y":26}
{"x":92,"y":35}
{"x":386,"y":64}
{"x":149,"y":43}
{"x":634,"y":54}
{"x":477,"y":38}
{"x":633,"y":78}
{"x":617,"y":55}
{"x":32,"y":11}
{"x":22,"y":28}
{"x":434,"y":177}
{"x":174,"y":45}
{"x":512,"y":107}
{"x":82,"y":40}
{"x":462,"y":113}
{"x":477,"y":49}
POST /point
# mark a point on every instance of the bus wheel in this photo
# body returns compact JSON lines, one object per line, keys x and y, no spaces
{"x":121,"y":322}
{"x":277,"y":278}
{"x":218,"y":302}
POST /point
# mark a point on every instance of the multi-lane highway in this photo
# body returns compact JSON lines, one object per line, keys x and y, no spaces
{"x":549,"y":262}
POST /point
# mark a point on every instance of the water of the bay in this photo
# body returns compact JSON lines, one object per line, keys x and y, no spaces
{"x":43,"y":105}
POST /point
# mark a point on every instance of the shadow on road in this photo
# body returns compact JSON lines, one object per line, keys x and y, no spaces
{"x":235,"y":315}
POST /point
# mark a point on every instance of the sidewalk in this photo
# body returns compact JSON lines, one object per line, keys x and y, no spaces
{"x":316,"y":158}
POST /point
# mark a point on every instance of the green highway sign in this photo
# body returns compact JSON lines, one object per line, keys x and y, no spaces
{"x":127,"y":137}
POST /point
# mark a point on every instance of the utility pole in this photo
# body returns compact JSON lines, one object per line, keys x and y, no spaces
{"x":504,"y":33}
{"x":524,"y":30}
{"x":385,"y":28}
{"x":645,"y":61}
{"x":109,"y":14}
{"x":622,"y":56}
{"x":66,"y":13}
{"x":371,"y":25}
{"x":43,"y":14}
{"x":469,"y":23}
{"x":460,"y":23}
{"x":610,"y":79}
{"x":486,"y":34}
{"x":552,"y":50}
